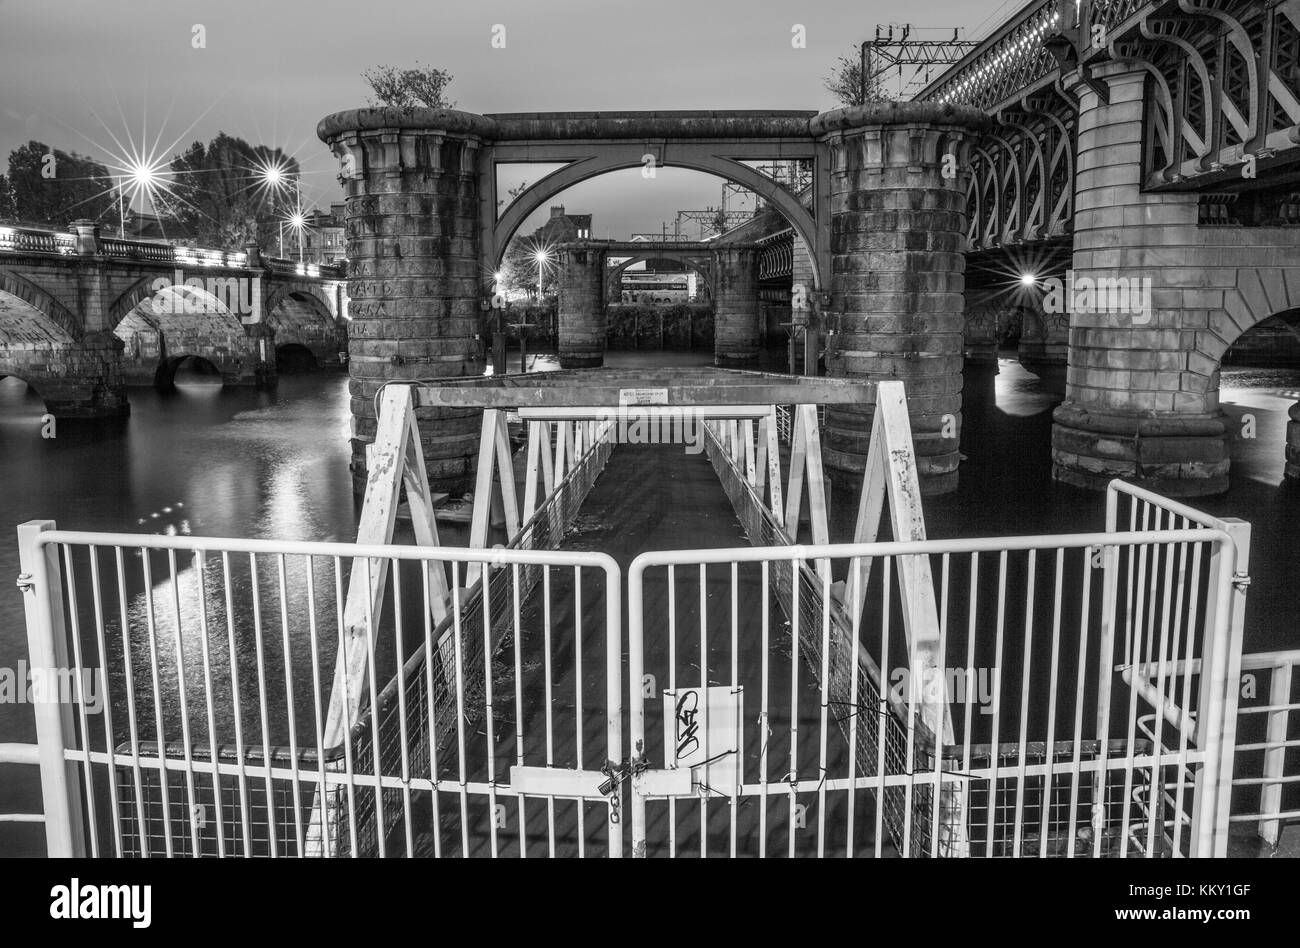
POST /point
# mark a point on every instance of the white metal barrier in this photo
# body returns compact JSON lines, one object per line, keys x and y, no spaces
{"x":793,"y":717}
{"x":221,"y":749}
{"x":1279,"y":712}
{"x":1148,"y":671}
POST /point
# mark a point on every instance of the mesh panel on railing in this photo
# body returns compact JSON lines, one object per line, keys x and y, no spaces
{"x":763,"y":530}
{"x":232,"y":819}
{"x":1052,"y":816}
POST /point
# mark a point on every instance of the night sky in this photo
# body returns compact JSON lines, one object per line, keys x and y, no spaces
{"x":78,"y":75}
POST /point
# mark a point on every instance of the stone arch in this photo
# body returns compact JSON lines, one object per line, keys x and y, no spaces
{"x":162,"y":305}
{"x":165,"y":373}
{"x":1259,"y":294}
{"x":298,"y":289}
{"x":160,"y":324}
{"x":12,"y":369}
{"x":697,"y":263}
{"x":130,"y":300}
{"x":37,"y":299}
{"x":684,"y":156}
{"x":297,"y":316}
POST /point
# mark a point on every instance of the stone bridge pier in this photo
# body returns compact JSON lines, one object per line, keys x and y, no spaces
{"x":79,"y":378}
{"x":735,"y":307}
{"x":414,"y":280}
{"x":1142,"y":395}
{"x":581,"y":305}
{"x":898,"y":230}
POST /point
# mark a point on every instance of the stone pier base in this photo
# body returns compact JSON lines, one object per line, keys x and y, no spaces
{"x":1178,"y":455}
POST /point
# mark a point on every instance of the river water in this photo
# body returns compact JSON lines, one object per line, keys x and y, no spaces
{"x":233,"y":462}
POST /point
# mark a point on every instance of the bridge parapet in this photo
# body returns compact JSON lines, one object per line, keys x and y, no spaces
{"x":32,"y":240}
{"x":84,"y":239}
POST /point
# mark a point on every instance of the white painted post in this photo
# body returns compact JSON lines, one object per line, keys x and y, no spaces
{"x":378,"y":517}
{"x":772,"y":450}
{"x":1270,"y":799}
{"x":47,"y":649}
{"x":1239,"y":530}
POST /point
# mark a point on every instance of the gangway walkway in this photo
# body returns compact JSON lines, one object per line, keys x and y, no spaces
{"x":541,"y":698}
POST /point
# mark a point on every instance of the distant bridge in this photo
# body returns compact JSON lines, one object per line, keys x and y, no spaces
{"x":83,"y":315}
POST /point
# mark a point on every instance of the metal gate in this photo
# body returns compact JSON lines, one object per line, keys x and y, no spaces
{"x":766,"y":720}
{"x":197,"y":674}
{"x":1091,"y":692}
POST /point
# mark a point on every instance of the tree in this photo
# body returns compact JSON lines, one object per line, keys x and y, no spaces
{"x":512,"y":193}
{"x":845,"y":82}
{"x":8,"y":212}
{"x":407,"y":88}
{"x":218,"y":198}
{"x":718,"y":225}
{"x":51,"y":188}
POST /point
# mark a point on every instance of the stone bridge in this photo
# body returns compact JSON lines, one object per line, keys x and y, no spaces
{"x":83,"y":315}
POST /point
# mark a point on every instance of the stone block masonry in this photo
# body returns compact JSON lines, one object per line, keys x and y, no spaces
{"x":898,"y":228}
{"x":414,"y":277}
{"x":1142,"y":395}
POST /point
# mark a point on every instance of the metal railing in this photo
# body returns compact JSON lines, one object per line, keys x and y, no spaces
{"x":1087,"y":796}
{"x":1273,"y":752}
{"x":1263,"y":769}
{"x":1033,"y":640}
{"x":199,"y":674}
{"x":1092,"y":679}
{"x":1014,"y":57}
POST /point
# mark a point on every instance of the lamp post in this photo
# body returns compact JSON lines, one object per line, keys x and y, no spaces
{"x":542,"y":257}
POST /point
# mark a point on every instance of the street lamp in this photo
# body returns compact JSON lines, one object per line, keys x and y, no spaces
{"x":142,"y":178}
{"x":542,"y":258}
{"x":276,"y":178}
{"x":298,"y":222}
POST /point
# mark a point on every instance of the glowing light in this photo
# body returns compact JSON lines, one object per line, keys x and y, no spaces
{"x":542,"y":256}
{"x":498,"y":276}
{"x":275,"y":175}
{"x":1028,"y":279}
{"x":142,"y":175}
